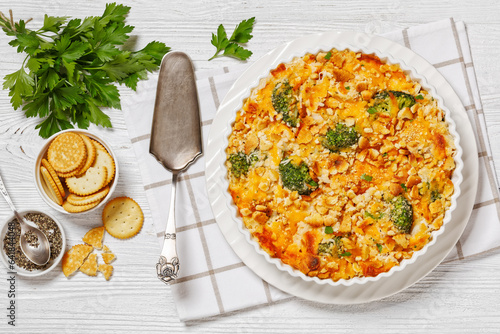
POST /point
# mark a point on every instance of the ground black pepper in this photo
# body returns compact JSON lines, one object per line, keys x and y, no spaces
{"x":31,"y":239}
{"x":13,"y":249}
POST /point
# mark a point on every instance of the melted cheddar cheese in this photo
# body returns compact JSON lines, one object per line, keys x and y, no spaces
{"x":405,"y":152}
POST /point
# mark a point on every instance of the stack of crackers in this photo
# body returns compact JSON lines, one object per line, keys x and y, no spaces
{"x":77,"y":171}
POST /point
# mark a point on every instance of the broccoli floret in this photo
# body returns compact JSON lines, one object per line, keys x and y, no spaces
{"x":402,"y":214}
{"x":285,"y":103}
{"x":435,"y":195}
{"x":383,"y":102}
{"x":296,"y":177}
{"x":405,"y":100}
{"x":333,"y":247}
{"x":340,"y":137}
{"x":241,"y":162}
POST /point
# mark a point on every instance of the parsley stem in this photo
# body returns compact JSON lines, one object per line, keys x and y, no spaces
{"x":215,"y":55}
{"x":24,"y":61}
{"x":40,"y":34}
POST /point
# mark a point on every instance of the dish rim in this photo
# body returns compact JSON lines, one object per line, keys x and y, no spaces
{"x":372,"y":290}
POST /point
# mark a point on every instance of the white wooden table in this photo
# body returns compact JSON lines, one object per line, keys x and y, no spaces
{"x":453,"y":298}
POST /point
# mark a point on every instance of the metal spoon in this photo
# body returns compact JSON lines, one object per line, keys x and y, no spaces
{"x":38,"y":255}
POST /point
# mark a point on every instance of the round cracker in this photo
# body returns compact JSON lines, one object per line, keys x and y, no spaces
{"x":122,"y":217}
{"x":54,"y":176}
{"x":91,"y":154}
{"x":70,"y":174}
{"x":103,"y":158}
{"x":78,"y":208}
{"x":67,"y":152}
{"x":85,"y":200}
{"x":51,"y":187}
{"x":99,"y":146}
{"x":90,"y":182}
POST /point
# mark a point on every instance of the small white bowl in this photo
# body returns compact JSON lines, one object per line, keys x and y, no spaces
{"x":41,"y":187}
{"x":21,"y":271}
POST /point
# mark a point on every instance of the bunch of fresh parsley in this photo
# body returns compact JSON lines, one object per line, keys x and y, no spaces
{"x":231,"y":46}
{"x":73,"y":66}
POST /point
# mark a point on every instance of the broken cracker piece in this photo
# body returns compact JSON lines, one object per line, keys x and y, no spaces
{"x":108,"y":257}
{"x":94,"y":237}
{"x":89,"y":267}
{"x":107,"y":270}
{"x":73,"y":259}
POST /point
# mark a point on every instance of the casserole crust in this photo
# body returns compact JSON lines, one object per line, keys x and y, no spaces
{"x":340,"y":164}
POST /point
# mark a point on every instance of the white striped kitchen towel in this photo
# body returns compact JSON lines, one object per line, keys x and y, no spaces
{"x":213,"y":280}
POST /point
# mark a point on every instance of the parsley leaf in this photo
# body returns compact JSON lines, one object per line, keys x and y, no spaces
{"x":73,"y":65}
{"x":53,"y":23}
{"x":231,"y":46}
{"x":242,"y":33}
{"x":52,"y":125}
{"x":26,"y":42}
{"x":234,"y":50}
{"x":20,"y":85}
{"x":328,"y":229}
{"x":220,"y":40}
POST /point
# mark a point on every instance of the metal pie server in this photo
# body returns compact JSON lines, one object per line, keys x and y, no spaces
{"x":175,"y":140}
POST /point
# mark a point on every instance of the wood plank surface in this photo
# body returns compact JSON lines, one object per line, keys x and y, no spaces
{"x":452,"y":299}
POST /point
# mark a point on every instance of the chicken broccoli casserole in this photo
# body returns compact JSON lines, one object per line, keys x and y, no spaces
{"x":340,"y":164}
